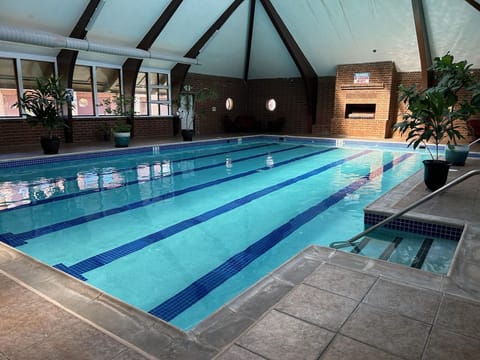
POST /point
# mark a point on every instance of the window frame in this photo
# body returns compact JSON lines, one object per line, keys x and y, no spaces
{"x":150,"y":87}
{"x":17,"y":59}
{"x":93,"y":68}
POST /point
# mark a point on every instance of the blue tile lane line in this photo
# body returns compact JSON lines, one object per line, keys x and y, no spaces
{"x":21,"y":238}
{"x":178,"y":303}
{"x":87,"y":192}
{"x":111,"y":255}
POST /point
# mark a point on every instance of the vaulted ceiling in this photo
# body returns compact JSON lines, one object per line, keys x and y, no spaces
{"x":259,"y":38}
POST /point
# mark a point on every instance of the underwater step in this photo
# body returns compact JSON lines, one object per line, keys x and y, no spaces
{"x":407,"y":249}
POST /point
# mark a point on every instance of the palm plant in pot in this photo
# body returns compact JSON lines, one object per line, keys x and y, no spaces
{"x":44,"y":106}
{"x":438,"y":114}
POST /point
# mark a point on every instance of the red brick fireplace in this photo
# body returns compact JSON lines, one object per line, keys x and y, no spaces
{"x":365,"y":100}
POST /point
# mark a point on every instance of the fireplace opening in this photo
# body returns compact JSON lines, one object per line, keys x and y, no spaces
{"x":360,"y":111}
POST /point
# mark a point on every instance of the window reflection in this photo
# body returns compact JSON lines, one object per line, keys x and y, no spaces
{"x":13,"y":194}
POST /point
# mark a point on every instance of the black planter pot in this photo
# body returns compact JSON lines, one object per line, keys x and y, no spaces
{"x":435,"y":173}
{"x":187,"y":135}
{"x":50,"y":145}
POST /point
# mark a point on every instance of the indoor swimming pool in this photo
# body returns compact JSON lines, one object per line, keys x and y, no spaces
{"x":179,"y":230}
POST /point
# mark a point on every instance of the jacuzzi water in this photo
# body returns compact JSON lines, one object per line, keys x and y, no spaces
{"x":178,"y":232}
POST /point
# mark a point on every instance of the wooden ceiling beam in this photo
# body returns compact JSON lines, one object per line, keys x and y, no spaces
{"x":423,"y":43}
{"x":179,"y":71}
{"x":309,"y":75}
{"x":131,"y":66}
{"x":66,"y":58}
{"x":474,"y":3}
{"x":251,"y":20}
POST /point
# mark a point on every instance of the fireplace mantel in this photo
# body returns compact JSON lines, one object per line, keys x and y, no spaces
{"x":363,"y":86}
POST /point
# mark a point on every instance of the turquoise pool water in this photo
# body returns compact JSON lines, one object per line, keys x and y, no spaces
{"x":178,"y":232}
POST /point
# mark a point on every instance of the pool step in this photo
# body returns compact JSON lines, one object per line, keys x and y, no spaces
{"x":394,"y":249}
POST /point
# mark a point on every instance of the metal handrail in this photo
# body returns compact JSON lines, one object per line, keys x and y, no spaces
{"x":350,"y":242}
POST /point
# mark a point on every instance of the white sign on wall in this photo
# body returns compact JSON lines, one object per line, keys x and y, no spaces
{"x":361,"y":78}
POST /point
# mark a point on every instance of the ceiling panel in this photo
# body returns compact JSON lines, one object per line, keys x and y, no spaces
{"x":57,"y":16}
{"x":454,"y":26}
{"x":269,"y":56}
{"x":125,"y":22}
{"x":188,"y":24}
{"x":224,"y":54}
{"x":329,"y":32}
{"x":348,"y":31}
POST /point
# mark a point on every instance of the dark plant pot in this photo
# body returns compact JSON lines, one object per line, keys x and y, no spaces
{"x":50,"y":145}
{"x":187,"y":135}
{"x":122,"y":139}
{"x":435,"y":173}
{"x":456,"y":154}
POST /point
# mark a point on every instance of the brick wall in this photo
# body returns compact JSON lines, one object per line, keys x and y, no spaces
{"x":250,"y":98}
{"x":378,"y":91}
{"x":325,"y":106}
{"x":207,"y":121}
{"x":289,"y":94}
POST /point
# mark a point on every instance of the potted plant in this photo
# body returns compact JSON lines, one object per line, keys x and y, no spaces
{"x":121,"y":106}
{"x":121,"y":134}
{"x":44,"y":106}
{"x":439,"y":113}
{"x":187,"y":102}
{"x":104,"y":131}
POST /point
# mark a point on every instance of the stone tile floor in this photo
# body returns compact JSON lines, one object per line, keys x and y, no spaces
{"x":324,"y":304}
{"x":337,"y":313}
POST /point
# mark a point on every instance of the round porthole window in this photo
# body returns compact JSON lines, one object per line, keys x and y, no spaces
{"x":229,"y":104}
{"x":271,"y":104}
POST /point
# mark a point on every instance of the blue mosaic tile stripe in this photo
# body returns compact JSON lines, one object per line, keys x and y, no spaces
{"x":178,"y":303}
{"x":69,"y":271}
{"x":27,"y":235}
{"x":99,"y":260}
{"x":442,"y":231}
{"x":133,"y":182}
{"x":108,"y":153}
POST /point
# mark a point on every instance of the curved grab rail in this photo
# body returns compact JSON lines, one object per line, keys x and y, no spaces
{"x":351,"y":241}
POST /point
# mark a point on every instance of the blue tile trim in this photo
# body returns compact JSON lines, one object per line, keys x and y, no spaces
{"x":178,"y":303}
{"x":96,"y":261}
{"x":88,"y":192}
{"x":448,"y":232}
{"x":69,"y":271}
{"x":117,"y":152}
{"x":83,"y":219}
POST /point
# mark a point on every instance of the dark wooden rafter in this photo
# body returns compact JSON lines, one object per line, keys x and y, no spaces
{"x":179,"y":71}
{"x":131,"y":66}
{"x":423,"y":43}
{"x":66,"y":58}
{"x":474,"y":3}
{"x":251,"y":19}
{"x":309,"y":75}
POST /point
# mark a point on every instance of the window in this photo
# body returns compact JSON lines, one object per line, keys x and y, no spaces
{"x":83,"y":91}
{"x":31,"y":70}
{"x":141,"y":103}
{"x":229,"y":104}
{"x":152,"y":93}
{"x":108,"y":86}
{"x":8,"y":88}
{"x":271,"y":104}
{"x":27,"y":73}
{"x":92,"y":85}
{"x":159,"y":94}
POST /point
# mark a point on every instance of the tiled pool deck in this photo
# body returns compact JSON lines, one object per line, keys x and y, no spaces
{"x":322,"y":304}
